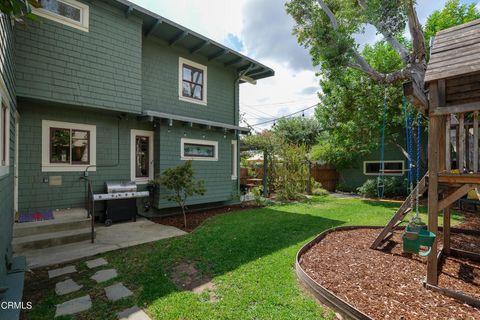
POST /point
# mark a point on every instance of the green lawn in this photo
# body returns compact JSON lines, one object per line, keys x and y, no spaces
{"x":248,"y":254}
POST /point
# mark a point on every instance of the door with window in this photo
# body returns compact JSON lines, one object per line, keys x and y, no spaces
{"x":141,"y":156}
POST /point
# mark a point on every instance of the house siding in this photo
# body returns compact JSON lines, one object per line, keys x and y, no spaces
{"x":7,"y":75}
{"x":34,"y":193}
{"x":100,"y":68}
{"x":160,"y":84}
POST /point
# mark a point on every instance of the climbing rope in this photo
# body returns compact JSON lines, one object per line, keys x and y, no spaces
{"x":417,"y":164}
{"x":381,"y":174}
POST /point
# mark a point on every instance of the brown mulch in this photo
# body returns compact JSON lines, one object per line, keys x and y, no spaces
{"x":196,"y":219}
{"x":385,"y":284}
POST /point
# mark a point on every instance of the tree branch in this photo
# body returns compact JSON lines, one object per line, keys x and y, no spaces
{"x":418,"y":39}
{"x":389,"y":38}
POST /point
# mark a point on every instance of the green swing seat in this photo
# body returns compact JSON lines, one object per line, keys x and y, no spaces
{"x":415,"y":237}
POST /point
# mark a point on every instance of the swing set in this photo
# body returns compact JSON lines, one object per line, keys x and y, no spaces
{"x":415,"y":235}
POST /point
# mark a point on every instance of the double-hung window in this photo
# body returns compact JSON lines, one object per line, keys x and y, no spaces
{"x":192,"y":82}
{"x":234,"y":156}
{"x":67,"y":146}
{"x":68,"y":12}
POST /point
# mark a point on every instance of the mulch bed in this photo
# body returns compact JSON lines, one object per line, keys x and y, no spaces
{"x":196,"y":219}
{"x":387,"y":285}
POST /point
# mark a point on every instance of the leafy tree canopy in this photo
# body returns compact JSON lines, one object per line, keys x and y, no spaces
{"x":297,"y":130}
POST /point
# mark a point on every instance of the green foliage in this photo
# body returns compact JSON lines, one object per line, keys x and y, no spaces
{"x":258,"y":196}
{"x":394,"y":187}
{"x":18,"y":8}
{"x":180,"y":181}
{"x":342,"y":187}
{"x":297,"y":130}
{"x":390,"y":16}
{"x":264,"y":141}
{"x":320,"y":192}
{"x":453,"y":14}
{"x":292,"y":172}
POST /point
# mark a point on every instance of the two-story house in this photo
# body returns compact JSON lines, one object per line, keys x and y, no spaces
{"x":111,"y":91}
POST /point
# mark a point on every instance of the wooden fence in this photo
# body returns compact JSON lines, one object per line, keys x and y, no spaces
{"x":326,"y":175}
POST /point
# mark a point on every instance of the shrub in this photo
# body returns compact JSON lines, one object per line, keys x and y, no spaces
{"x":368,"y":189}
{"x":258,"y":196}
{"x":342,"y":187}
{"x":320,"y":192}
{"x":393,"y":187}
{"x":291,"y":172}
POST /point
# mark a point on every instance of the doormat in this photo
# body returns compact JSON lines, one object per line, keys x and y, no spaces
{"x":35,"y":216}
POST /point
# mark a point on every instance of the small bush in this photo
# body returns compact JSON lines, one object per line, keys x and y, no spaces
{"x":393,"y":187}
{"x":342,"y":187}
{"x":258,"y":196}
{"x":368,"y":189}
{"x":319,"y":192}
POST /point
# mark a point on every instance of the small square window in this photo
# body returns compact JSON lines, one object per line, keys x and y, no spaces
{"x":68,"y":12}
{"x":193,"y":82}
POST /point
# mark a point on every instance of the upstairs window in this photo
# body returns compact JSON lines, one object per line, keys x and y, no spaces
{"x":69,"y":12}
{"x":193,"y":82}
{"x":4,"y":137}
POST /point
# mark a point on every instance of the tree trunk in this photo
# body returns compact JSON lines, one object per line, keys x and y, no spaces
{"x":184,"y":216}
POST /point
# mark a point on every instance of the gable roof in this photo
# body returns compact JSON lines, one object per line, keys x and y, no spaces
{"x":455,"y":51}
{"x":180,"y":36}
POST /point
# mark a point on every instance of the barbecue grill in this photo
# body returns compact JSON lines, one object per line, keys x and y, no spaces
{"x":121,"y":203}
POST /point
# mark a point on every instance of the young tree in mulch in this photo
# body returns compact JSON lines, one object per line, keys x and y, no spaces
{"x":181,"y":182}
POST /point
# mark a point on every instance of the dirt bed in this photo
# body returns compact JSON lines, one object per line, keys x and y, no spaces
{"x":195,"y":219}
{"x":385,"y":284}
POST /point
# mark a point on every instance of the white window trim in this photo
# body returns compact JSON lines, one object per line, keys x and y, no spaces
{"x":5,"y":100}
{"x":65,"y":167}
{"x":198,"y":141}
{"x":235,"y":160}
{"x":84,"y":15}
{"x":386,"y":173}
{"x":150,"y":135}
{"x":181,"y":62}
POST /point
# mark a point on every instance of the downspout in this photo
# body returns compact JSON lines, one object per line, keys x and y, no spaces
{"x":236,"y":116}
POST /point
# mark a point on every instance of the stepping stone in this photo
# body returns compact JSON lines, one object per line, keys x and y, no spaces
{"x":67,"y":286}
{"x":117,"y":291}
{"x":133,"y":313}
{"x":91,"y":264}
{"x":104,"y":275}
{"x":60,"y":272}
{"x":73,"y":306}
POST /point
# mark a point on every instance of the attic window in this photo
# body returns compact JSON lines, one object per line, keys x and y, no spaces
{"x":192,"y":82}
{"x":69,"y":12}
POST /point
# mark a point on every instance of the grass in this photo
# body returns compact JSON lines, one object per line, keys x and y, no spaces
{"x":248,"y":254}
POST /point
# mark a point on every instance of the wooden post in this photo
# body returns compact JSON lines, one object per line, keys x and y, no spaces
{"x":475,"y":141}
{"x":448,"y":160}
{"x":446,"y":230}
{"x":461,"y":143}
{"x":265,"y":174}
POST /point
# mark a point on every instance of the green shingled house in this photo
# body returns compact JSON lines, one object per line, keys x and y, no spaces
{"x":110,"y":91}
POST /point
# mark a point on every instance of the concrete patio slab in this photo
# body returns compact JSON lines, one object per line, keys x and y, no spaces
{"x":60,"y":272}
{"x":73,"y":306}
{"x":117,"y":291}
{"x":92,"y":264}
{"x":104,"y":275}
{"x":133,"y":313}
{"x":66,"y":287}
{"x":117,"y":236}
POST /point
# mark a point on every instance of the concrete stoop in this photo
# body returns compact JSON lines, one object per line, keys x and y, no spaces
{"x":69,"y":226}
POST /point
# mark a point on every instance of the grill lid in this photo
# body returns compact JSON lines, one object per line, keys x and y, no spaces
{"x":120,"y":186}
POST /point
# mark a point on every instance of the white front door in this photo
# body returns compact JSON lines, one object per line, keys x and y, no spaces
{"x":15,"y":165}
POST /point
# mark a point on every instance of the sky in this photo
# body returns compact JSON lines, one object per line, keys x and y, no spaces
{"x":262,"y":30}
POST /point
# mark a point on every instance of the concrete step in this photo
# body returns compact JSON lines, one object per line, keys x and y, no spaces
{"x":52,"y":239}
{"x":41,"y":227}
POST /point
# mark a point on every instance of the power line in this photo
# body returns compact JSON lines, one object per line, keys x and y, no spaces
{"x":285,"y":116}
{"x":276,"y":103}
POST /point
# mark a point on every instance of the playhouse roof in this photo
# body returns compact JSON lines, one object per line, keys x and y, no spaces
{"x":455,"y":51}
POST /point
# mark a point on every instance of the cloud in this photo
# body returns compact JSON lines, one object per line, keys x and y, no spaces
{"x":234,"y":42}
{"x":309,"y":90}
{"x":267,"y":34}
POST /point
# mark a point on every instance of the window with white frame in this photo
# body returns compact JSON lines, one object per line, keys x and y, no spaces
{"x":192,"y":85}
{"x":68,"y":146}
{"x":193,"y":149}
{"x":4,"y":135}
{"x":391,"y":168}
{"x":234,"y":159}
{"x":141,"y":155}
{"x":69,"y":12}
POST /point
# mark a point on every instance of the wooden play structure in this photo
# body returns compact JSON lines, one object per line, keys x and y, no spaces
{"x":452,"y":83}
